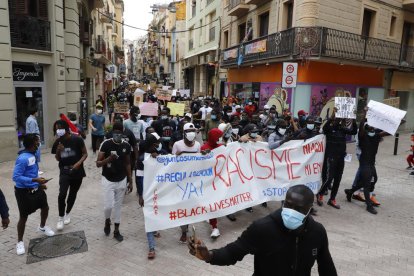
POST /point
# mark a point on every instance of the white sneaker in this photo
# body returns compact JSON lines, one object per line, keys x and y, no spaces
{"x":47,"y":231}
{"x":67,"y":219}
{"x":60,"y":224}
{"x":215,"y":233}
{"x":20,"y":248}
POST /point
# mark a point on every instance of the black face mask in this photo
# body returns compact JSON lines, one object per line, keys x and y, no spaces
{"x":117,"y":137}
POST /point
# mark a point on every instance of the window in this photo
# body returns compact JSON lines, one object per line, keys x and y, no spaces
{"x":368,"y":23}
{"x":392,"y":25}
{"x":34,"y":8}
{"x":264,"y":24}
{"x":242,"y":32}
{"x":287,"y":14}
{"x":193,"y":8}
{"x":226,"y":39}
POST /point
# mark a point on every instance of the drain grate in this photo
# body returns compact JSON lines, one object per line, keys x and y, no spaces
{"x":45,"y":248}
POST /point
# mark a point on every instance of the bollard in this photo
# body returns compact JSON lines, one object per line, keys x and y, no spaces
{"x":397,"y":137}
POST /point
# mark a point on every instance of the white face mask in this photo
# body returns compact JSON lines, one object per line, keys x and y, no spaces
{"x":282,"y":131}
{"x":310,"y":126}
{"x":190,"y":136}
{"x":99,"y":111}
{"x":253,"y":134}
{"x":74,"y":122}
{"x":60,"y":132}
{"x":235,"y":131}
{"x":159,"y":147}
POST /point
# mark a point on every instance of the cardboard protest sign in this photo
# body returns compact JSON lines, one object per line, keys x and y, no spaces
{"x":394,"y":102}
{"x":184,"y":92}
{"x":121,"y":107}
{"x":384,"y":117}
{"x":176,"y":108}
{"x":164,"y":95}
{"x":190,"y":188}
{"x":149,"y":109}
{"x":346,"y":107}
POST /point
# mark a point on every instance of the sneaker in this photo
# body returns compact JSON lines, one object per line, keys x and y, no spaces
{"x":151,"y":254}
{"x":67,"y":219}
{"x":264,"y":204}
{"x":412,"y":173}
{"x":359,"y":197}
{"x":215,"y":233}
{"x":372,"y":210}
{"x":332,"y":202}
{"x":107,"y":228}
{"x":118,"y":236}
{"x":60,"y":224}
{"x":232,"y":217}
{"x":348,"y":193}
{"x":183,"y":238}
{"x":375,"y":201}
{"x":250,"y":210}
{"x":20,"y":250}
{"x":47,"y":231}
{"x":409,"y":168}
{"x":319,"y":200}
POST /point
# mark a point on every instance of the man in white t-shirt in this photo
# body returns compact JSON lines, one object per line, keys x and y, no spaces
{"x":187,"y":145}
{"x":204,"y":110}
{"x":134,"y":124}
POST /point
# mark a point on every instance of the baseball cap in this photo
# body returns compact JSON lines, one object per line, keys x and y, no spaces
{"x":189,"y":115}
{"x":99,"y":105}
{"x":188,"y":126}
{"x":266,"y":107}
{"x":238,"y":106}
{"x":302,"y":113}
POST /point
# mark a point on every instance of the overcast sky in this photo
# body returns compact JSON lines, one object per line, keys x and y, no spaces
{"x":138,"y":13}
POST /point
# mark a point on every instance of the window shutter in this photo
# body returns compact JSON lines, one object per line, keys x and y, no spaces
{"x":21,"y":7}
{"x":43,"y":10}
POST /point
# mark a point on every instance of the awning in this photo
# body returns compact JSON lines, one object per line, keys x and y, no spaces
{"x":104,"y":60}
{"x":402,"y":81}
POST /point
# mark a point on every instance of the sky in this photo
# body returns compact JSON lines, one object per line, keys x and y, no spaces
{"x":138,"y":13}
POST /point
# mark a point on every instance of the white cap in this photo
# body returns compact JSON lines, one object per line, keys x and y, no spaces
{"x":156,"y":135}
{"x":222,"y":127}
{"x":188,"y":115}
{"x":266,"y":107}
{"x":188,"y":126}
{"x":238,"y":106}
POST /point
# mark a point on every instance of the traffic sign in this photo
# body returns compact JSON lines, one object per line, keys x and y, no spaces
{"x":290,"y":74}
{"x":289,"y":81}
{"x":290,"y":68}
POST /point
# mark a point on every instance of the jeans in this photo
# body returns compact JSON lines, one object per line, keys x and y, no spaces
{"x":367,"y":174}
{"x":151,"y":240}
{"x":139,"y":180}
{"x":114,"y":193}
{"x":67,"y":183}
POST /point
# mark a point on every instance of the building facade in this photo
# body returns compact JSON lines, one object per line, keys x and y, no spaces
{"x":48,"y":62}
{"x":355,"y":48}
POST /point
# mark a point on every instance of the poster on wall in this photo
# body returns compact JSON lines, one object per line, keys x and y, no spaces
{"x":271,"y":93}
{"x":323,"y":98}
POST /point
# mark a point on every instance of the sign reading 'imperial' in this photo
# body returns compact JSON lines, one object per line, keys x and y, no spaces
{"x":24,"y":72}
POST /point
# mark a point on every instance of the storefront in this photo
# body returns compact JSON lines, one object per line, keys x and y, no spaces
{"x":318,"y":84}
{"x":30,"y":92}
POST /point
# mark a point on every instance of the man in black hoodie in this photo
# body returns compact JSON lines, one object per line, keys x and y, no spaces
{"x":286,"y":242}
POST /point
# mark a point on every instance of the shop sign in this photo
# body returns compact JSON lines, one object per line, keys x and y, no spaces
{"x":230,"y":54}
{"x":256,"y":47}
{"x":23,"y":72}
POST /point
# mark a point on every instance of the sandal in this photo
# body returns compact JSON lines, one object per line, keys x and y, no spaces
{"x":151,"y":254}
{"x":157,"y":234}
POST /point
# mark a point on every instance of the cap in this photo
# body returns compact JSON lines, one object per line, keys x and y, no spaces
{"x":302,"y":113}
{"x":238,"y":106}
{"x":188,"y":115}
{"x":266,"y":107}
{"x":99,"y":104}
{"x":188,"y":126}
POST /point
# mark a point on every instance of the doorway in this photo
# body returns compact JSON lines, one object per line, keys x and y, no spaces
{"x":28,"y":98}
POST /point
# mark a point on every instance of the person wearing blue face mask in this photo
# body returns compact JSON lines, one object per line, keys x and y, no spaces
{"x":213,"y":122}
{"x":286,"y":242}
{"x":368,"y":140}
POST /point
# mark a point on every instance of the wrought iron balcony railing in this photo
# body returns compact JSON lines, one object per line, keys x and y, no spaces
{"x":305,"y":42}
{"x":30,"y":32}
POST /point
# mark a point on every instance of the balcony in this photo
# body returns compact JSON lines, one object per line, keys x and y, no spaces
{"x":256,"y":2}
{"x":318,"y":42}
{"x":30,"y":32}
{"x":106,"y":17}
{"x":100,"y":45}
{"x":237,"y":8}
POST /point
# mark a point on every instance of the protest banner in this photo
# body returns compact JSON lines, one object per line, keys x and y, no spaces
{"x":346,"y":107}
{"x":394,"y":102}
{"x":384,"y":117}
{"x":176,"y":108}
{"x":184,"y":92}
{"x":190,"y":188}
{"x":164,"y":95}
{"x":149,"y":109}
{"x":121,"y":107}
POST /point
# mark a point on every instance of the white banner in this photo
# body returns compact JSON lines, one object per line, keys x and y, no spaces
{"x":384,"y":117}
{"x":346,"y":107}
{"x":190,"y":188}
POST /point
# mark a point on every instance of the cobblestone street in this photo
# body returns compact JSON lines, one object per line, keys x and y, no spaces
{"x":360,"y":243}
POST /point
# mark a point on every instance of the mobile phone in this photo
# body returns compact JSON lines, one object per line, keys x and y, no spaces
{"x":47,"y":180}
{"x":114,"y":153}
{"x":194,"y":233}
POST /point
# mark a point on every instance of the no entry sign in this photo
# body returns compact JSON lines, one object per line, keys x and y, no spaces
{"x":290,"y":73}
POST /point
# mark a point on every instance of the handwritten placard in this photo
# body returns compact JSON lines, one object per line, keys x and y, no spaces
{"x":384,"y":117}
{"x":149,"y":109}
{"x":176,"y":108}
{"x":164,"y":95}
{"x":346,"y":107}
{"x":394,"y":102}
{"x":190,"y":188}
{"x":121,"y":107}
